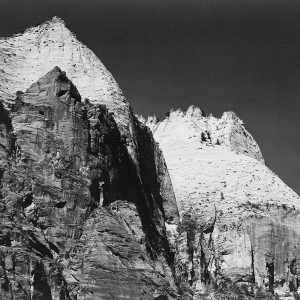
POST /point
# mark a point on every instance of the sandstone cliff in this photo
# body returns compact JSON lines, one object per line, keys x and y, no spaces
{"x":240,"y":222}
{"x":86,"y":156}
{"x":77,"y":220}
{"x":27,"y":56}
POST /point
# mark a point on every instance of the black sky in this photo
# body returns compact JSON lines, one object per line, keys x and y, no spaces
{"x":240,"y":55}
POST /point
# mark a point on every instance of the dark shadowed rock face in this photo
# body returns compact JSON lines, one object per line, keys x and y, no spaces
{"x":79,"y":220}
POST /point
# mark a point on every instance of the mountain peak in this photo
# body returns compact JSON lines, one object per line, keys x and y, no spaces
{"x":191,"y":112}
{"x":194,"y":111}
{"x":27,"y":56}
{"x":193,"y":125}
{"x":53,"y":75}
{"x":55,"y":84}
{"x":56,"y":23}
{"x":57,"y":19}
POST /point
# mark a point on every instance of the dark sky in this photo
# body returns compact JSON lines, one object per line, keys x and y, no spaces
{"x":240,"y":55}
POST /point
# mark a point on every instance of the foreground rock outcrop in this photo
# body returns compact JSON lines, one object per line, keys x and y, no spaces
{"x":77,"y":220}
{"x":240,"y":222}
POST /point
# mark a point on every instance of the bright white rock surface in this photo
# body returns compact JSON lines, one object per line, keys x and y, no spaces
{"x":249,"y":216}
{"x":26,"y":57}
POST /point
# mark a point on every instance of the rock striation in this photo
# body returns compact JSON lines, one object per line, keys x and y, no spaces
{"x":77,"y":219}
{"x":240,"y":222}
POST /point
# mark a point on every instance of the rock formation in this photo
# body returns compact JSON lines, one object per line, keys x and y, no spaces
{"x":88,"y":208}
{"x":84,"y":156}
{"x":78,"y":222}
{"x":240,"y":222}
{"x":27,"y":56}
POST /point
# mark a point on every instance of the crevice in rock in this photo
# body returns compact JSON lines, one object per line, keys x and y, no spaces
{"x":61,"y":204}
{"x":41,"y":288}
{"x":27,"y":200}
{"x":61,"y":93}
{"x":53,"y":247}
{"x":271,"y":275}
{"x":40,"y":248}
{"x":252,"y":265}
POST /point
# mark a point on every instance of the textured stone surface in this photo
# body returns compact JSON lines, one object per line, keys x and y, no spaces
{"x":27,"y":56}
{"x":78,"y":220}
{"x":87,"y":205}
{"x":239,"y":220}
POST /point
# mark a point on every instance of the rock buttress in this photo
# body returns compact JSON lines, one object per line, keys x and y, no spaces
{"x":77,"y":219}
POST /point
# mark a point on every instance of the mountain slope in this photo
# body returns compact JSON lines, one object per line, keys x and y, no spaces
{"x":245,"y":219}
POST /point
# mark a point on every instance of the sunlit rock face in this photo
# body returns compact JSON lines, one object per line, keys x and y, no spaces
{"x":27,"y":56}
{"x":239,"y":220}
{"x":78,"y":220}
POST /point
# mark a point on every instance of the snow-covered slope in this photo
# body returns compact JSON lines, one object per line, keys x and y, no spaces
{"x":26,"y":57}
{"x":222,"y":184}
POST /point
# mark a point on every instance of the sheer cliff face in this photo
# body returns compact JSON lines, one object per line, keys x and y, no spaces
{"x":78,"y":220}
{"x":94,"y":198}
{"x":26,"y":57}
{"x":239,"y":220}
